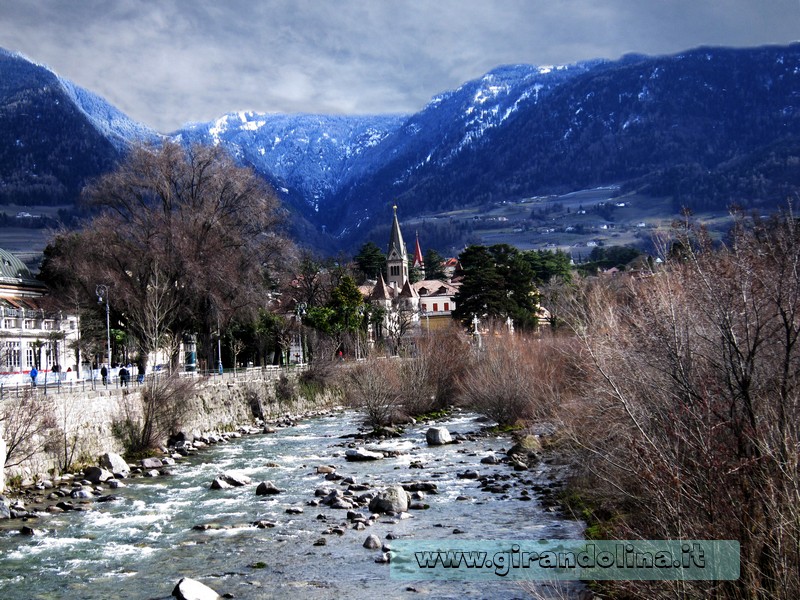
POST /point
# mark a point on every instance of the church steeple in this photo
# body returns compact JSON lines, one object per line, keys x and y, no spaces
{"x":396,"y":257}
{"x":419,"y":262}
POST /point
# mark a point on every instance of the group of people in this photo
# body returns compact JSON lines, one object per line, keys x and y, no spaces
{"x":124,"y":375}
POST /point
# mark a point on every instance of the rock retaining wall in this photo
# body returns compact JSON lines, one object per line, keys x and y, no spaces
{"x":85,"y":419}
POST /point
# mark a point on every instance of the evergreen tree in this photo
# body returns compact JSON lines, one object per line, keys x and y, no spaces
{"x":434,"y":265}
{"x":497,"y":284}
{"x":370,"y":260}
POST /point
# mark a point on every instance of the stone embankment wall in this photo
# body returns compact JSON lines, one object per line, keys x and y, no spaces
{"x":84,"y":419}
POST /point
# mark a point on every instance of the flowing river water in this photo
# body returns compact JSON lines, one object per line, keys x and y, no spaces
{"x":140,"y":545}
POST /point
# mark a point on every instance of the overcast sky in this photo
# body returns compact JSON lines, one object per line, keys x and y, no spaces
{"x":169,"y":62}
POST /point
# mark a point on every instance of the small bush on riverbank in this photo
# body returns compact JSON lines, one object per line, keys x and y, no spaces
{"x":373,"y":387}
{"x":149,"y":418}
{"x":519,"y":377}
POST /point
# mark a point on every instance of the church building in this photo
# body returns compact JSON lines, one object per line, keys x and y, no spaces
{"x":409,"y":308}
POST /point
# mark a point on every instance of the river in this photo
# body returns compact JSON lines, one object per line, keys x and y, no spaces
{"x":140,"y":545}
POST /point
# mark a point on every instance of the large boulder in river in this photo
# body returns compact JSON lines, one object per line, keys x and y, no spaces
{"x":361,"y":454}
{"x":438,"y":436}
{"x":114,"y":463}
{"x":394,"y":499}
{"x":236,"y":479}
{"x":97,"y":474}
{"x":267,"y":488}
{"x":151,"y":463}
{"x":191,"y":589}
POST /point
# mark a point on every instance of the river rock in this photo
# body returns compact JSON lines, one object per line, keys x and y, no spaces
{"x":267,"y":488}
{"x":438,"y":436}
{"x":373,"y":542}
{"x":220,"y":484}
{"x":151,"y":463}
{"x":361,"y":454}
{"x":393,"y":499}
{"x":97,"y":474}
{"x":191,"y":589}
{"x":5,"y":512}
{"x":236,"y":479}
{"x":325,"y":469}
{"x":114,"y":463}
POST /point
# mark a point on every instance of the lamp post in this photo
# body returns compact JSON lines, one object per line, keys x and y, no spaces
{"x":219,"y":347}
{"x":300,"y":312}
{"x":102,"y":294}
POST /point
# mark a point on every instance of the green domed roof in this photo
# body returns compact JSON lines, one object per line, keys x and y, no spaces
{"x":13,"y":268}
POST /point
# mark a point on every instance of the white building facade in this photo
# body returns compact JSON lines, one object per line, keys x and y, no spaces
{"x":32,"y":335}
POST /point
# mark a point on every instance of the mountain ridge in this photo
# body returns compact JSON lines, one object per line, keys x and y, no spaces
{"x":706,"y":127}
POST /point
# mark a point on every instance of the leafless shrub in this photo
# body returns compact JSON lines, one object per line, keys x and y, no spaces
{"x":430,"y":378}
{"x":690,"y":421}
{"x":285,"y":390}
{"x":516,"y":377}
{"x":373,"y":388}
{"x":149,"y":418}
{"x":27,"y":423}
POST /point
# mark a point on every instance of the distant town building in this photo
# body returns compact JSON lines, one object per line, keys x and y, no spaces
{"x":408,"y":306}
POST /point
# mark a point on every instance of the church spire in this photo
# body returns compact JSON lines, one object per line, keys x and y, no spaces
{"x":419,"y":262}
{"x":396,"y":257}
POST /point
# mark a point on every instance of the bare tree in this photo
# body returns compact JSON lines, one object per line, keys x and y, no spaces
{"x":399,"y":322}
{"x":185,"y":239}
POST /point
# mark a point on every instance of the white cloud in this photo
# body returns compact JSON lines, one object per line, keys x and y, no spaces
{"x":169,"y":62}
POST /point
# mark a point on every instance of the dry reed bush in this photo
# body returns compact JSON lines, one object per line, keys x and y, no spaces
{"x":430,"y":378}
{"x":518,"y":377}
{"x":689,"y":421}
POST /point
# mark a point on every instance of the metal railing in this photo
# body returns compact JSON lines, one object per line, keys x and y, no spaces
{"x":56,"y":383}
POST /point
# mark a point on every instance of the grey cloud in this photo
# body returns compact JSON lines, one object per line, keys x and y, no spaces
{"x":169,"y":62}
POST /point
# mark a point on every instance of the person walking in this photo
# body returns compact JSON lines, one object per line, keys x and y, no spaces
{"x":34,"y":373}
{"x":104,"y":375}
{"x":123,"y":377}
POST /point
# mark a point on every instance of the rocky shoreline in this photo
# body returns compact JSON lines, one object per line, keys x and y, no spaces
{"x":80,"y":491}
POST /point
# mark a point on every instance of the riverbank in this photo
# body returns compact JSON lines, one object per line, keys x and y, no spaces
{"x":252,"y":546}
{"x":79,"y":491}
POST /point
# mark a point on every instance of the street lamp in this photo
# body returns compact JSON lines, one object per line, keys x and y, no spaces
{"x":300,"y":312}
{"x":102,"y":294}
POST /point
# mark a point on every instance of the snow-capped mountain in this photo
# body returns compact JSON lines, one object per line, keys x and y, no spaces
{"x":306,"y":155}
{"x":706,"y":127}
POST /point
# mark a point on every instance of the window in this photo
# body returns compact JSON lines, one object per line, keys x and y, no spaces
{"x":446,"y":306}
{"x":29,"y":356}
{"x":9,"y":323}
{"x":11,"y":351}
{"x":49,"y":325}
{"x":424,"y":306}
{"x":30,"y":324}
{"x":435,"y":307}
